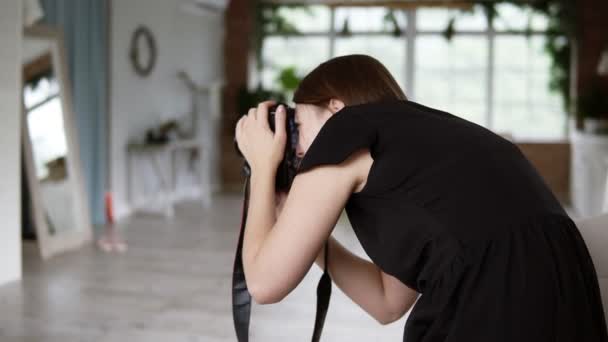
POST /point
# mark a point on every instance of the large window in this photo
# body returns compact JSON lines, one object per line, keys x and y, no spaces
{"x":450,"y":75}
{"x":303,"y":53}
{"x":522,"y":103}
{"x":494,"y":75}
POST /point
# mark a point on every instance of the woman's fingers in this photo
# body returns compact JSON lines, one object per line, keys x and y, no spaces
{"x":254,"y":138}
{"x":280,"y":117}
{"x":237,"y":127}
{"x":238,"y":130}
{"x":262,"y":112}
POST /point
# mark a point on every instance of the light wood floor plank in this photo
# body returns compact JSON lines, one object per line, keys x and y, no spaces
{"x":173,"y":284}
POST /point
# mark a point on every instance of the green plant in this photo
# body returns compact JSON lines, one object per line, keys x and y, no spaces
{"x":287,"y":81}
{"x":594,"y":103}
{"x":270,"y":20}
{"x":250,"y":98}
{"x":560,"y":38}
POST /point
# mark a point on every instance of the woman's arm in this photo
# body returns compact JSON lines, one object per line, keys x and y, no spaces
{"x":277,"y":255}
{"x":382,"y":296}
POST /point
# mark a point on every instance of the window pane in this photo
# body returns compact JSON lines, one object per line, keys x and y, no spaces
{"x":451,"y":75}
{"x":390,"y":51}
{"x":475,"y":20}
{"x":304,"y":53}
{"x":366,"y":19}
{"x":307,"y":19}
{"x":437,"y":19}
{"x":524,"y":105}
{"x":511,"y":17}
{"x":539,"y":22}
{"x":45,"y":124}
{"x":432,"y":19}
{"x":44,"y":89}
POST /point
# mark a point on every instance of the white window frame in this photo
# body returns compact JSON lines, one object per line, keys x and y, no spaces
{"x":410,"y":36}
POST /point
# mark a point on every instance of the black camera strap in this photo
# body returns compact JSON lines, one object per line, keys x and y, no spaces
{"x":241,"y":298}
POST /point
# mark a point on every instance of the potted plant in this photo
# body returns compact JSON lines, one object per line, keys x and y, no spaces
{"x":590,"y":151}
{"x":593,"y":109}
{"x":287,"y":81}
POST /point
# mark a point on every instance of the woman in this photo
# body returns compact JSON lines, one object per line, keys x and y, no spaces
{"x":443,"y":207}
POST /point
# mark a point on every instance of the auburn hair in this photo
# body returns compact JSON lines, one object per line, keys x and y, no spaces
{"x":353,"y":79}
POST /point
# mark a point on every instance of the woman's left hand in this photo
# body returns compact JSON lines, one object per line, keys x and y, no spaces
{"x":262,"y":149}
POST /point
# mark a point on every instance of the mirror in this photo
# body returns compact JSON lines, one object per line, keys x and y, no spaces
{"x":57,"y":193}
{"x":44,"y":120}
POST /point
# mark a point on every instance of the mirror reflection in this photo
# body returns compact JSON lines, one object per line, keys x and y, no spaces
{"x":45,"y":122}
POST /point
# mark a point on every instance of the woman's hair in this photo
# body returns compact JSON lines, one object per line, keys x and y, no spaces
{"x":353,"y":79}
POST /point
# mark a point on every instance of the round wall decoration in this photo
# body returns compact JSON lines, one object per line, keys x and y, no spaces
{"x":143,"y":51}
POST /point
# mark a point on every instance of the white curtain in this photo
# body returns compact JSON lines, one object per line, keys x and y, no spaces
{"x":84,"y":25}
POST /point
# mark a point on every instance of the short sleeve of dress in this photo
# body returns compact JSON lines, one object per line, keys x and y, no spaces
{"x":344,"y":133}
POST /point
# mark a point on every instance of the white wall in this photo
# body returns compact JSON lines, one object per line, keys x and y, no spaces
{"x":184,"y":42}
{"x":10,"y":134}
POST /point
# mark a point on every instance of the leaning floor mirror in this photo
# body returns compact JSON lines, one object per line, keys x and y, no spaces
{"x":52,"y":160}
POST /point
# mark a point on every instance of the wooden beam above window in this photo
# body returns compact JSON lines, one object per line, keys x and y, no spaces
{"x":401,"y":4}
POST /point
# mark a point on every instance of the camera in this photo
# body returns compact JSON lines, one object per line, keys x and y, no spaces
{"x":286,"y":171}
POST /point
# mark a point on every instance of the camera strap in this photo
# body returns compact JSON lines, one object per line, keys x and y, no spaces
{"x":241,"y":298}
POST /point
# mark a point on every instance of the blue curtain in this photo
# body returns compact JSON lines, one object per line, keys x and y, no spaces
{"x":84,"y":26}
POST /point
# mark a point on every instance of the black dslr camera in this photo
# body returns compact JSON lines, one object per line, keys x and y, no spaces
{"x":288,"y":167}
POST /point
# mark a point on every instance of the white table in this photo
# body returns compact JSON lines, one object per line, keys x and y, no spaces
{"x":589,"y":173}
{"x":157,"y":155}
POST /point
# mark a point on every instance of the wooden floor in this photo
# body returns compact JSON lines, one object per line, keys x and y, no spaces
{"x":172,"y":285}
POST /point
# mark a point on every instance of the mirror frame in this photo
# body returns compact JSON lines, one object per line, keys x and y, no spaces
{"x":52,"y":244}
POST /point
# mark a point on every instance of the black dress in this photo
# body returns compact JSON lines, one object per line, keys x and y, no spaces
{"x":457,"y":213}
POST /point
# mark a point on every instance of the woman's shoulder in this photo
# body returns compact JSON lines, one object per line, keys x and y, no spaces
{"x":343,"y":134}
{"x":353,"y":128}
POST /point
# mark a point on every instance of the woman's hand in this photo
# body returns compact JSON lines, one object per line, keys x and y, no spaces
{"x":262,"y":149}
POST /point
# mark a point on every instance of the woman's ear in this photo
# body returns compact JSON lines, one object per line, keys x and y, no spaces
{"x":335,"y":105}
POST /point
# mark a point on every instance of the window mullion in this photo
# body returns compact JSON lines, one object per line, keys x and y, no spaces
{"x":490,"y":120}
{"x":410,"y":51}
{"x":332,"y":32}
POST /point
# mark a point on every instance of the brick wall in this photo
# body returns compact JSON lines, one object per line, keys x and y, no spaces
{"x":552,"y":161}
{"x":238,"y":23}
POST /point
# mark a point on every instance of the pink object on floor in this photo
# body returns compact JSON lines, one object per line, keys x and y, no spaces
{"x":110,"y":241}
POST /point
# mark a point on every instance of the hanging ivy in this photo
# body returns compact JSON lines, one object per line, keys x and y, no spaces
{"x":558,"y":45}
{"x":561,"y":31}
{"x":270,"y":21}
{"x":390,"y":21}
